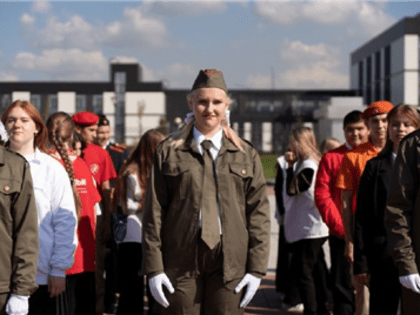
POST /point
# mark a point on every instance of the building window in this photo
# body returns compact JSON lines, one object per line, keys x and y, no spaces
{"x":377,"y":91}
{"x":36,"y":101}
{"x":361,"y":78}
{"x":378,"y":65}
{"x":52,"y":102}
{"x":387,"y":61}
{"x":81,"y":103}
{"x":387,"y":91}
{"x":6,"y":100}
{"x":120,"y":80}
{"x":368,"y":95}
{"x":97,"y":102}
{"x":369,"y":70}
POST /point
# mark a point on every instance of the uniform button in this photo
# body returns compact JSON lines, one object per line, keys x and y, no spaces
{"x":6,"y":188}
{"x":244,"y":172}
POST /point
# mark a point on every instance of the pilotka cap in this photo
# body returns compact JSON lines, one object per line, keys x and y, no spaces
{"x":210,"y":78}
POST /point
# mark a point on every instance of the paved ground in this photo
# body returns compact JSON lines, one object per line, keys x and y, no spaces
{"x":267,"y":301}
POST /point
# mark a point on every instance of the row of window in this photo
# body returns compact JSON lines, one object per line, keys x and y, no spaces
{"x":377,"y":95}
{"x":48,"y":105}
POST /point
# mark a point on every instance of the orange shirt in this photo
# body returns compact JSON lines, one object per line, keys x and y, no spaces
{"x":352,"y":167}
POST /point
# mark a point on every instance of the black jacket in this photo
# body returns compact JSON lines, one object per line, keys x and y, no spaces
{"x":370,"y":240}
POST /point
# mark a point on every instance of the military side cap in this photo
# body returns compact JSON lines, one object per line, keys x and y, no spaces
{"x":210,"y":78}
{"x":103,"y":121}
{"x":377,"y":108}
{"x":85,"y":118}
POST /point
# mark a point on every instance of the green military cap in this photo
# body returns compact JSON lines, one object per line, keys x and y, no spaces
{"x":210,"y":78}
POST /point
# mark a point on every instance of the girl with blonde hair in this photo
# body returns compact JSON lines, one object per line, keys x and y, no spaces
{"x":304,"y":227}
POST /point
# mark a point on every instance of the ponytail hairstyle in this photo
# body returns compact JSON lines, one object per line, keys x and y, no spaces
{"x":228,"y":131}
{"x":139,"y":163}
{"x":60,"y":131}
{"x":304,"y":143}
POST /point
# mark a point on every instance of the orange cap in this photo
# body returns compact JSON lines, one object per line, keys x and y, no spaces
{"x":377,"y":108}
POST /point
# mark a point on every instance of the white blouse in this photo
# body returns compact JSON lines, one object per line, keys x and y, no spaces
{"x":134,"y":220}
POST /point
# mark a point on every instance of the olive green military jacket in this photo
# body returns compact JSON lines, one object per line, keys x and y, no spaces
{"x":172,"y":206}
{"x":402,"y":216}
{"x":18,"y":225}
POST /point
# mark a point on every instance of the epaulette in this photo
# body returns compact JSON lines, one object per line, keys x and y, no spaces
{"x":121,"y":146}
{"x":116,"y":149}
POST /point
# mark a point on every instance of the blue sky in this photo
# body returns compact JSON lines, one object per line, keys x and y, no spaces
{"x":305,"y":44}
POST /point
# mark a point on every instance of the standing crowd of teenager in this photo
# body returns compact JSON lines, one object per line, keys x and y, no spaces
{"x":66,"y":220}
{"x":361,"y":198}
{"x":82,"y":219}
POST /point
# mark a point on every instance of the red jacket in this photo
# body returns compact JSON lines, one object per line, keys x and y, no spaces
{"x":327,"y":195}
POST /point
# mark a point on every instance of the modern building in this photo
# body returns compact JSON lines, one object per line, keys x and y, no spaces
{"x":264,"y":117}
{"x":131,"y":105}
{"x":387,"y":67}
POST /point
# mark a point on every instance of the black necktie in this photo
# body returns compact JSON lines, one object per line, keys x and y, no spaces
{"x":210,"y":232}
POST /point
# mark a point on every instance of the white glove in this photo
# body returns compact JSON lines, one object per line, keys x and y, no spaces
{"x":411,"y":282}
{"x":253,"y":283}
{"x":156,"y":287}
{"x":17,"y":305}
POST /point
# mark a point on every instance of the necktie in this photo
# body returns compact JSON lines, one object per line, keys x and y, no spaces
{"x":210,"y":232}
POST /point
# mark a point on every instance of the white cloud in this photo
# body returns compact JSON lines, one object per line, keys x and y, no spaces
{"x":370,"y":17}
{"x":27,"y":20}
{"x":299,"y":52}
{"x":41,"y":6}
{"x":311,"y":66}
{"x":62,"y":64}
{"x":192,"y":8}
{"x":8,"y":76}
{"x":317,"y":76}
{"x":134,"y":29}
{"x":258,"y":81}
{"x":124,"y":59}
{"x":180,"y":69}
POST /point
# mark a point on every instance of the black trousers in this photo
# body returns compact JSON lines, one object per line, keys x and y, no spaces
{"x":385,"y":288}
{"x":341,"y":278}
{"x":40,"y":302}
{"x":81,"y":295}
{"x":131,"y":300}
{"x":305,"y":256}
{"x":285,"y":282}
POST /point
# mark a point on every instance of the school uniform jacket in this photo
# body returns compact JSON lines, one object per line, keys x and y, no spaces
{"x":172,"y":206}
{"x":402,"y":215}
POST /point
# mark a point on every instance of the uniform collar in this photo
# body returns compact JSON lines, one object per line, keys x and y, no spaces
{"x":216,"y":140}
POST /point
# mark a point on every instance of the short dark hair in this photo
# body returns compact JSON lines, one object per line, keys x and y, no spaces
{"x":353,"y":117}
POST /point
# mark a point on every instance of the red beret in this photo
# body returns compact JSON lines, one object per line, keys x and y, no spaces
{"x":377,"y":108}
{"x":85,"y":118}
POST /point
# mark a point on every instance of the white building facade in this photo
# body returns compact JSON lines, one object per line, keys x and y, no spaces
{"x":387,"y":67}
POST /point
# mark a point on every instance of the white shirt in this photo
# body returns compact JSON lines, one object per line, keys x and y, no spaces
{"x":134,"y":219}
{"x":214,"y":150}
{"x":57,"y":219}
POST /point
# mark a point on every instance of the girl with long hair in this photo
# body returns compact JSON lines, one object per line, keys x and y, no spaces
{"x":54,"y":201}
{"x":373,"y":265}
{"x":81,"y":276}
{"x":304,"y":227}
{"x":130,"y":191}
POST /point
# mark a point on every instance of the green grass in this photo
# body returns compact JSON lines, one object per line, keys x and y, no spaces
{"x":269,"y":163}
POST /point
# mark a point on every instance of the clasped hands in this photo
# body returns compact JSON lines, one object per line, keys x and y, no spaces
{"x":157,"y":282}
